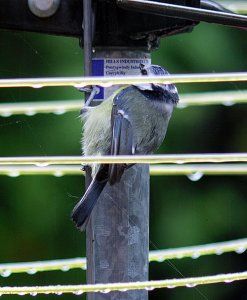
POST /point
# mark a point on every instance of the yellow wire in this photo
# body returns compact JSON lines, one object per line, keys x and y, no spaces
{"x":106,"y":288}
{"x":59,"y":107}
{"x":193,"y":171}
{"x":43,"y":161}
{"x":78,"y":82}
{"x":239,"y":246}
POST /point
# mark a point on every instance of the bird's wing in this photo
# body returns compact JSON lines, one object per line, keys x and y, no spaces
{"x":122,"y":142}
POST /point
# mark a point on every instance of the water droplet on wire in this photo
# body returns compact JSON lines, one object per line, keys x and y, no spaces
{"x":218,"y":252}
{"x":37,"y":86}
{"x":30,"y":113}
{"x":228,"y":103}
{"x":42,"y":164}
{"x":106,"y":84}
{"x":65,"y":268}
{"x":5,"y":273}
{"x":6,"y":113}
{"x":190,"y":285}
{"x":59,"y":293}
{"x":195,"y":255}
{"x":228,"y":280}
{"x":196,"y":176}
{"x":78,"y":293}
{"x":14,"y":174}
{"x":31,"y":271}
{"x":58,"y":173}
{"x":106,"y":291}
{"x":160,"y":259}
{"x":171,"y":286}
{"x":79,"y":85}
{"x":240,"y":250}
{"x":22,"y":293}
{"x":59,"y":111}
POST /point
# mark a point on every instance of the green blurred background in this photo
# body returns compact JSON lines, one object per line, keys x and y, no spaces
{"x":35,"y":210}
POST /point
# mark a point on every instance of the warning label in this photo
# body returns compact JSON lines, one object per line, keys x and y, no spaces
{"x":116,"y":67}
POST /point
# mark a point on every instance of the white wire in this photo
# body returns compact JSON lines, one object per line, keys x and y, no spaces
{"x":239,"y":246}
{"x":78,"y":82}
{"x":32,"y":268}
{"x":32,"y":108}
{"x":44,"y":161}
{"x":106,"y":288}
{"x":193,"y":171}
{"x":226,"y":98}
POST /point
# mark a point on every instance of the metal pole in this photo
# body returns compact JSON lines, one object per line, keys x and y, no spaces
{"x":87,"y":45}
{"x":118,"y":235}
{"x":87,"y":36}
{"x":118,"y":231}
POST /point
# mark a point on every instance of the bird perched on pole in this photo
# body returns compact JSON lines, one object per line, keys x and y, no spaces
{"x":133,"y":120}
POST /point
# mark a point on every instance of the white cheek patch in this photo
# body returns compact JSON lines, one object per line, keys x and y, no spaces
{"x":171,"y":88}
{"x":145,"y":86}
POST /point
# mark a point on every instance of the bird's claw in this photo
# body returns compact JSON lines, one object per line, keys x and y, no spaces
{"x":92,"y":91}
{"x":85,"y":168}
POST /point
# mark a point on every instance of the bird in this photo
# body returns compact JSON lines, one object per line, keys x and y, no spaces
{"x":132,"y":121}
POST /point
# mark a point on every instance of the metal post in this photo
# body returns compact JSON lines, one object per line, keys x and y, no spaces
{"x":118,"y":235}
{"x":118,"y":231}
{"x":87,"y":36}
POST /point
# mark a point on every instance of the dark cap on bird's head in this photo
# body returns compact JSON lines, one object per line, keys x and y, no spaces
{"x":168,"y":90}
{"x":152,"y":70}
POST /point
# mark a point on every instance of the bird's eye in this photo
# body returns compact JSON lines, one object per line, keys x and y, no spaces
{"x":144,"y":72}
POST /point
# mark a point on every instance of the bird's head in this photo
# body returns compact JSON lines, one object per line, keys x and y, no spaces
{"x":166,"y":89}
{"x":152,"y":70}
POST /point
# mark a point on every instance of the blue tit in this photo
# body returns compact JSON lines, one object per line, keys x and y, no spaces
{"x":133,"y":120}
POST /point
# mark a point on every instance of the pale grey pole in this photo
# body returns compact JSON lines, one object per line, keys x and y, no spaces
{"x":118,"y":231}
{"x":118,"y":235}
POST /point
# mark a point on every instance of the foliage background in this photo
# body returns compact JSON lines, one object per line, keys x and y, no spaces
{"x":35,"y":210}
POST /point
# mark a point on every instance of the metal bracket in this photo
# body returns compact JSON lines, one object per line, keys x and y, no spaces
{"x":16,"y":15}
{"x":114,"y":26}
{"x":118,"y":23}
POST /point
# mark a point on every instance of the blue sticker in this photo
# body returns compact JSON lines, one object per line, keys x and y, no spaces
{"x":98,"y":70}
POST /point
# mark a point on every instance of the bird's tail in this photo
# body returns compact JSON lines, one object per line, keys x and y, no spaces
{"x":82,"y":211}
